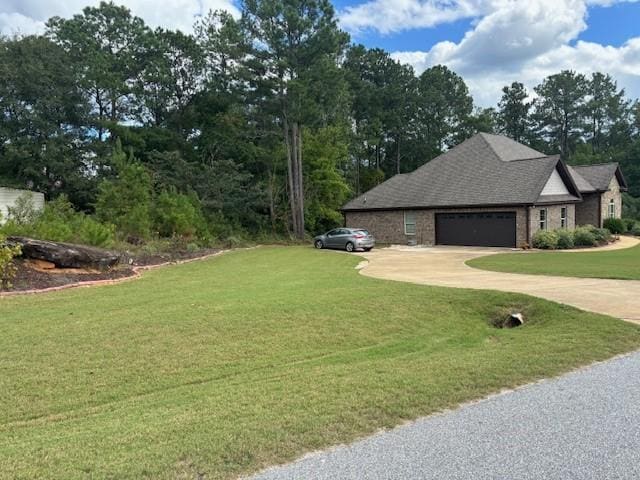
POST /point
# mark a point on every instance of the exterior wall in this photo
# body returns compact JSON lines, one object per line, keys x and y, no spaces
{"x":388,"y":226}
{"x":612,"y":194}
{"x":594,"y":208}
{"x":8,"y":196}
{"x":553,"y":217}
{"x":587,"y":211}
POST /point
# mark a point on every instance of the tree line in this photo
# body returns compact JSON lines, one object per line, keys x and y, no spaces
{"x":267,"y":123}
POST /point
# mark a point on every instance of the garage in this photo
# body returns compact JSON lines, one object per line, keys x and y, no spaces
{"x":477,"y":229}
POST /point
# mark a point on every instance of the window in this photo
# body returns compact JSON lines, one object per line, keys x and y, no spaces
{"x":612,"y":209}
{"x":543,"y":219}
{"x":410,"y":223}
{"x":563,"y":217}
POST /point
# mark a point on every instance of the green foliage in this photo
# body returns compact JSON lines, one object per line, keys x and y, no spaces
{"x":602,"y":235}
{"x":175,"y":214}
{"x":630,"y":206}
{"x":58,"y":222}
{"x":584,"y":237}
{"x":615,"y":225}
{"x":635,"y":230}
{"x":565,"y":238}
{"x":7,"y":267}
{"x":545,"y":239}
{"x":125,"y":200}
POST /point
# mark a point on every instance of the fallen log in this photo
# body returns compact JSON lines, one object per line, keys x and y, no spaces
{"x":65,"y":255}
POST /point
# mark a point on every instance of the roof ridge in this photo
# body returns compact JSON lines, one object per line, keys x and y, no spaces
{"x":556,"y":155}
{"x":596,"y":164}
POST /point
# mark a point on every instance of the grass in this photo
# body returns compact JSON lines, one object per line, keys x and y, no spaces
{"x":219,"y":368}
{"x":618,"y":264}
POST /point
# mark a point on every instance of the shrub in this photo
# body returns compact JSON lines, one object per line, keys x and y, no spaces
{"x":629,"y":223}
{"x":615,"y":225}
{"x":545,"y":239}
{"x":7,"y":267}
{"x":177,"y":214}
{"x":565,"y":238}
{"x":635,"y":230}
{"x":584,"y":237}
{"x":59,"y":222}
{"x":602,"y":235}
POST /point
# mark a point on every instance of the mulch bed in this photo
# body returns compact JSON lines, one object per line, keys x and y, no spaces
{"x":29,"y":279}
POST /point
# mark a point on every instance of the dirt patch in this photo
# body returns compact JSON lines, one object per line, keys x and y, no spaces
{"x":32,"y":276}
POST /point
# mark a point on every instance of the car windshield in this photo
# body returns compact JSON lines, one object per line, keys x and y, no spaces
{"x":364,"y":232}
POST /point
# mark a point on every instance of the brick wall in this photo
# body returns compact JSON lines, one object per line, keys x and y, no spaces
{"x":612,"y":194}
{"x":587,"y":210}
{"x":553,"y":217}
{"x":388,"y":226}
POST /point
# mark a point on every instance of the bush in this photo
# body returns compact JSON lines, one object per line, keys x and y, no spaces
{"x":565,"y":238}
{"x":7,"y":267}
{"x":615,"y":225}
{"x":584,"y":237}
{"x":602,"y":235}
{"x":629,"y":223}
{"x":636,"y":230}
{"x":175,"y":214}
{"x":59,"y":222}
{"x":545,"y":239}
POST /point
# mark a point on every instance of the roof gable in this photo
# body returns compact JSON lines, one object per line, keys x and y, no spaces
{"x":599,"y":176}
{"x":555,"y":185}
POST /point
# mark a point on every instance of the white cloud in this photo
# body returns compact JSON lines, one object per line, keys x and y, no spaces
{"x":29,"y":16}
{"x":527,"y":42}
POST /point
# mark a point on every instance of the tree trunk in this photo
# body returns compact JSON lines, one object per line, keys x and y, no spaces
{"x":300,"y":183}
{"x":65,"y":255}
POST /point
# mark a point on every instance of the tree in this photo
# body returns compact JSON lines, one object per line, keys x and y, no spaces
{"x":170,"y":78}
{"x":560,"y":111}
{"x":296,"y":46}
{"x":444,"y":107}
{"x":607,"y":112}
{"x":513,"y":112}
{"x":125,"y":199}
{"x":43,"y":128}
{"x":106,"y":46}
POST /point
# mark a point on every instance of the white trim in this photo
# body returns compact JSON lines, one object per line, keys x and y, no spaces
{"x":564,"y":211}
{"x":543,"y":223}
{"x":612,"y":211}
{"x":413,"y":223}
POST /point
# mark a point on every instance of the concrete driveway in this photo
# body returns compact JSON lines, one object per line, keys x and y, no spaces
{"x":445,"y":266}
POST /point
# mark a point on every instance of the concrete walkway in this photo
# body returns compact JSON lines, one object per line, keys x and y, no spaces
{"x":445,"y":266}
{"x":581,"y":426}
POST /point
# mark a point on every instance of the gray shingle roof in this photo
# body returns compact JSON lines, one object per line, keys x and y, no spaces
{"x":482,"y":170}
{"x":508,"y":150}
{"x":583,"y":185}
{"x":599,"y":176}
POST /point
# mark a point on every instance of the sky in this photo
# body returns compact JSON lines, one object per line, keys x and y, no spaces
{"x":490,"y":43}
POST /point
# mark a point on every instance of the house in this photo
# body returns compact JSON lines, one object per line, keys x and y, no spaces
{"x":487,"y":191}
{"x":8,"y":197}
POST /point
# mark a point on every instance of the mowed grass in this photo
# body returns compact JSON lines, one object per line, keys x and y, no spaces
{"x":219,"y":368}
{"x":618,"y":264}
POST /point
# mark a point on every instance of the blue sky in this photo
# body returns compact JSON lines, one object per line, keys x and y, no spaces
{"x":490,"y":43}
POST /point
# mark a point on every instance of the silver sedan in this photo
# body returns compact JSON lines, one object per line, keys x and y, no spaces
{"x":349,"y":239}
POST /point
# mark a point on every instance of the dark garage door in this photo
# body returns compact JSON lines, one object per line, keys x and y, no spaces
{"x":482,"y":229}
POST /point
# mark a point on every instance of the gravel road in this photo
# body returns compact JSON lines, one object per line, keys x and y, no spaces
{"x":583,"y":425}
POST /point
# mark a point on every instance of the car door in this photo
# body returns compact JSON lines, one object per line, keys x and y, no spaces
{"x":342,"y":237}
{"x":332,"y":237}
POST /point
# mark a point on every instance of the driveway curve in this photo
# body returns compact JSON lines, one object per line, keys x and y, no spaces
{"x":445,"y":266}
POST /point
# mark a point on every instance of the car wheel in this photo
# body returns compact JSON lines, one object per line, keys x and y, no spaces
{"x":319,"y":244}
{"x":349,"y":247}
{"x":368,"y":249}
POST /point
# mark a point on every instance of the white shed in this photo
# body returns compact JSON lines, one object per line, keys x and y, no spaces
{"x":8,"y":197}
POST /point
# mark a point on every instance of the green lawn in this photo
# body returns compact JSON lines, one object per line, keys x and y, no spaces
{"x":621,"y":264}
{"x":224,"y":366}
